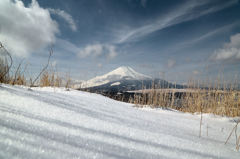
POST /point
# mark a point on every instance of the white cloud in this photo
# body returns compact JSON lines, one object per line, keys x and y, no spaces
{"x":67,"y":17}
{"x":97,"y":50}
{"x":93,"y":50}
{"x":187,"y":11}
{"x":25,"y":29}
{"x":230,"y":51}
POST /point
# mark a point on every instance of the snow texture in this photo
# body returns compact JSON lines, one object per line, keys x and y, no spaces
{"x":115,"y":84}
{"x":55,"y":123}
{"x":123,"y":72}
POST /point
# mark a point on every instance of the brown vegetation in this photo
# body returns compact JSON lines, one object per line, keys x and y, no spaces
{"x":50,"y":79}
{"x":16,"y":76}
{"x":225,"y":101}
{"x":5,"y":64}
{"x":4,"y":75}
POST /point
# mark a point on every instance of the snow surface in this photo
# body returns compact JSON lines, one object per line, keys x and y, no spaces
{"x":55,"y":123}
{"x":115,"y":75}
{"x":115,"y":84}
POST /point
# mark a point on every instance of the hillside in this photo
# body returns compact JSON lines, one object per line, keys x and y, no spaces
{"x":54,"y":123}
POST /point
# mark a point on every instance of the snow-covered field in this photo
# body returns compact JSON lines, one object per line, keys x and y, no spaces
{"x":53,"y":123}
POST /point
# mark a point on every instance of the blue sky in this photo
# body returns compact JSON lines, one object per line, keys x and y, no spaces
{"x":174,"y":39}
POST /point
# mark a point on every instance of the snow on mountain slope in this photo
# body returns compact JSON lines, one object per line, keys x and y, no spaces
{"x":123,"y":72}
{"x":54,"y":123}
{"x":115,"y":84}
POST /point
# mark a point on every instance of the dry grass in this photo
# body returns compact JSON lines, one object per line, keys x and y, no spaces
{"x":224,"y":101}
{"x":4,"y":74}
{"x":50,"y":79}
{"x":16,"y":76}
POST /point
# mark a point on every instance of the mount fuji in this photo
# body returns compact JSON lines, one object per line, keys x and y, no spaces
{"x":123,"y":79}
{"x":121,"y":73}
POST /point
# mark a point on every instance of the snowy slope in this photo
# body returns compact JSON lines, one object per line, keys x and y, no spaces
{"x":54,"y":123}
{"x":123,"y":72}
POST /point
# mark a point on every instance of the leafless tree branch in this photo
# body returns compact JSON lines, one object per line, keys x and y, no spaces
{"x":50,"y":54}
{"x":11,"y":60}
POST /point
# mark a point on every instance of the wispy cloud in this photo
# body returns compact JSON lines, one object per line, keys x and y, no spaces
{"x":111,"y":51}
{"x":186,"y":12}
{"x":67,"y":17}
{"x":207,"y":35}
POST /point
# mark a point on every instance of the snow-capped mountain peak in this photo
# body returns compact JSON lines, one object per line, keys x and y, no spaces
{"x":123,"y":72}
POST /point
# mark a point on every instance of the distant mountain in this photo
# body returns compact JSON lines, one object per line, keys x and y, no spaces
{"x":124,"y":79}
{"x":129,"y":85}
{"x":121,"y":73}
